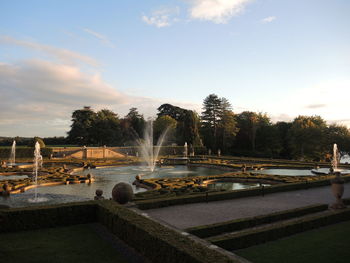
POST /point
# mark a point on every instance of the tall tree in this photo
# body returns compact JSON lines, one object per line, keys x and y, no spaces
{"x":211,"y":115}
{"x":248,"y":124}
{"x":105,"y":128}
{"x":227,"y":130}
{"x":81,"y":124}
{"x":174,"y":112}
{"x":307,"y":137}
{"x":191,"y":124}
{"x":282,"y":133}
{"x":137,"y":121}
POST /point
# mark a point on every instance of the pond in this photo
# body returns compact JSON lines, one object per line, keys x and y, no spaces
{"x":105,"y":179}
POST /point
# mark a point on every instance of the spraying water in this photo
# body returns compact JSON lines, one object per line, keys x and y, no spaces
{"x":185,"y":150}
{"x":38,"y":161}
{"x":12,"y":159}
{"x":336,"y":157}
{"x":149,"y":152}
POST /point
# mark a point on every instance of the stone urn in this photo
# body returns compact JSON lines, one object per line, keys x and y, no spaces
{"x":122,"y":193}
{"x":337,"y":185}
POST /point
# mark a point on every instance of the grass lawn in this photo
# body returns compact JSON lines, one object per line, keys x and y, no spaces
{"x":79,"y":243}
{"x":327,"y":244}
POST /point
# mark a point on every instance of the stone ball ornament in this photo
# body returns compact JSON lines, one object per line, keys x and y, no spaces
{"x":122,"y":193}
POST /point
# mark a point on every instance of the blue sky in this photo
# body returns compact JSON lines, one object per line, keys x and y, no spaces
{"x":284,"y":58}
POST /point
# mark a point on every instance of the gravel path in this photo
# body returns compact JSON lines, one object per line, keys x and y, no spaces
{"x":184,"y":216}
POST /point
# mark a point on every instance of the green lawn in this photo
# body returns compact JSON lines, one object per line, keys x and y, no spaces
{"x":74,"y":244}
{"x":328,"y":244}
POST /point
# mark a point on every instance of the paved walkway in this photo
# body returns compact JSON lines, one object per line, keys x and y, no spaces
{"x":184,"y":216}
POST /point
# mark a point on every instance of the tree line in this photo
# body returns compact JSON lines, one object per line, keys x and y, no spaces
{"x":217,"y":128}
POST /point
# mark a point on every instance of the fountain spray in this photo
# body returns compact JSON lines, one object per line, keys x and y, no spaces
{"x":13,"y":154}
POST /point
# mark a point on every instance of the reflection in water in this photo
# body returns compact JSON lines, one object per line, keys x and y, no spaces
{"x":233,"y":186}
{"x":295,"y":172}
{"x":287,"y":172}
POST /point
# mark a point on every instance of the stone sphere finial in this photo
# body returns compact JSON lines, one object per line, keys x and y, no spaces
{"x":122,"y":193}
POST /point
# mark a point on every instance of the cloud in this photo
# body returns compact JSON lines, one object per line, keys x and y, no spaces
{"x":64,"y":55}
{"x":315,"y":106}
{"x":38,"y":97}
{"x":100,"y":37}
{"x":162,"y":17}
{"x":268,"y":19}
{"x":217,"y":11}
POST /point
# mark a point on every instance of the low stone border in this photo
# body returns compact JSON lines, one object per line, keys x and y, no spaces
{"x":243,"y":223}
{"x":253,"y":237}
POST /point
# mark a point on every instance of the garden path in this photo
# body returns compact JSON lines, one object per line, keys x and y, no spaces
{"x":191,"y":215}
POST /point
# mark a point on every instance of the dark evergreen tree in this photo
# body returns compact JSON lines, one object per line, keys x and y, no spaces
{"x":82,"y":121}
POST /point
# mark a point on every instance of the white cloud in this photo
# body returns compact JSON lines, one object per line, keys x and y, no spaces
{"x":268,"y":19}
{"x":38,"y":97}
{"x":162,"y":17}
{"x":218,"y":11}
{"x":100,"y":37}
{"x":64,"y":55}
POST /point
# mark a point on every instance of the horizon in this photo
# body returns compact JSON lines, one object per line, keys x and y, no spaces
{"x":283,"y":59}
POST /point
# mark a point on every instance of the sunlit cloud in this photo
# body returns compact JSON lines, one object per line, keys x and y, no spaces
{"x":38,"y":97}
{"x":64,"y":55}
{"x":217,"y":11}
{"x":163,"y":17}
{"x":268,"y":19}
{"x":315,"y":106}
{"x":100,"y":37}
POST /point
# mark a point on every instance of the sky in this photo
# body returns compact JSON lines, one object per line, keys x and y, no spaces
{"x":284,"y":58}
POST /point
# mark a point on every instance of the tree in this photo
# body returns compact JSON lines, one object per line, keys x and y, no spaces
{"x":282,"y":133}
{"x":340,"y":135}
{"x":227,"y":130}
{"x":268,"y":142}
{"x":187,"y":127}
{"x":248,"y":123}
{"x":36,"y":139}
{"x":105,"y":128}
{"x":191,"y":124}
{"x":162,"y":124}
{"x":174,"y":112}
{"x":211,"y":115}
{"x":80,"y":129}
{"x":137,"y":122}
{"x":307,"y":137}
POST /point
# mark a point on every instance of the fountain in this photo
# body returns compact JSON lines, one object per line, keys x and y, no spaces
{"x":38,"y":161}
{"x":334,"y":165}
{"x":12,"y":158}
{"x":149,"y":152}
{"x":336,"y":158}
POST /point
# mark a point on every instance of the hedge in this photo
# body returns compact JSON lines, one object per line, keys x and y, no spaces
{"x":156,"y":242}
{"x":239,"y":224}
{"x":18,"y":219}
{"x":217,"y":196}
{"x":24,"y":152}
{"x":257,"y":236}
{"x":151,"y":239}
